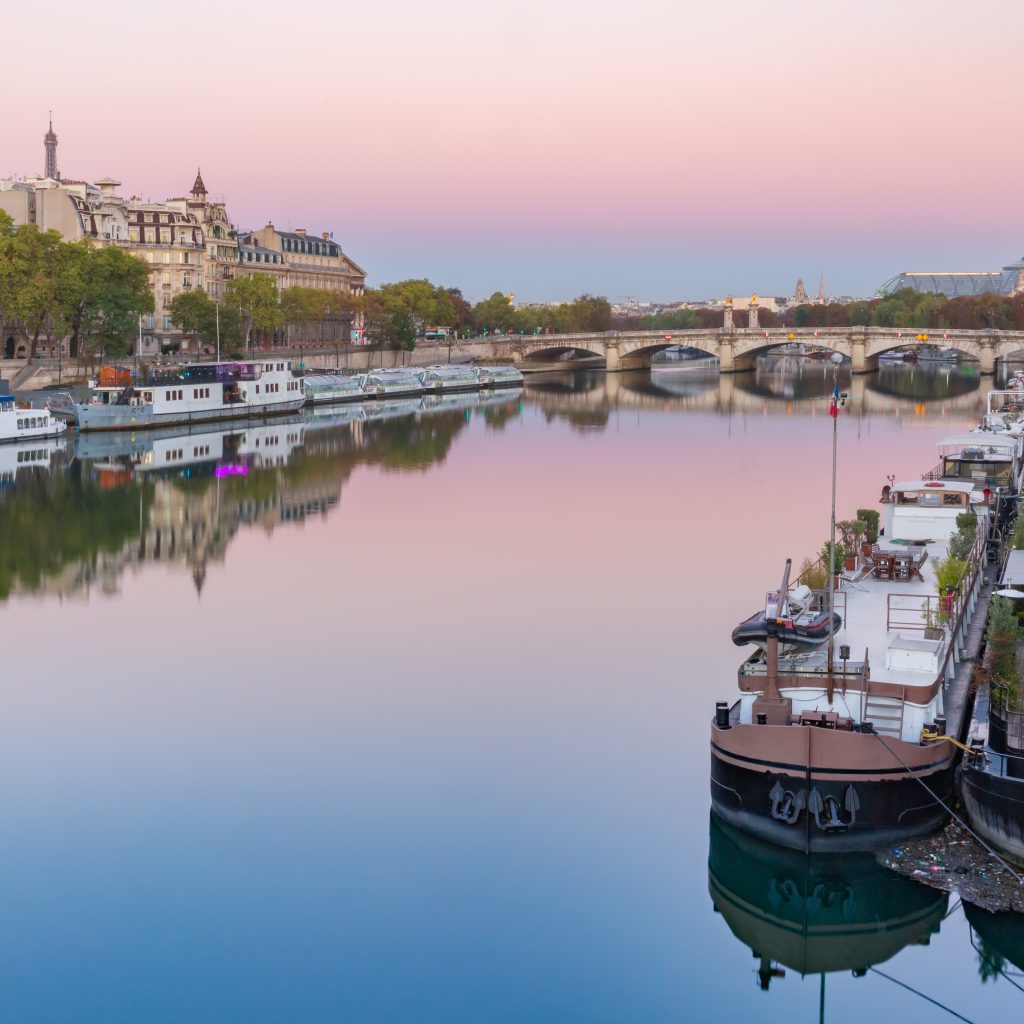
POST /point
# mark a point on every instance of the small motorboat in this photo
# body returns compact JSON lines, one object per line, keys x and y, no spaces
{"x":807,"y":630}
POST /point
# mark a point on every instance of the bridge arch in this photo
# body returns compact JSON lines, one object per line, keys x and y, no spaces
{"x":879,"y":346}
{"x":552,"y":349}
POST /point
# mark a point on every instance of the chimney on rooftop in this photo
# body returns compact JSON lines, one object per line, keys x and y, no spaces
{"x":301,"y":232}
{"x":326,"y":236}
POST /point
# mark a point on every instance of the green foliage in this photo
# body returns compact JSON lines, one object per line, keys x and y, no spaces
{"x":851,"y":531}
{"x":839,"y":556}
{"x":107,"y":292}
{"x":587,"y":313}
{"x":257,"y":300}
{"x":910,"y":308}
{"x":1002,"y":637}
{"x":1018,"y":533}
{"x":968,"y":522}
{"x":813,"y":574}
{"x":949,"y":573}
{"x":869,"y":517}
{"x":193,"y":312}
{"x":676,"y":320}
{"x":53,"y":289}
{"x":963,"y":538}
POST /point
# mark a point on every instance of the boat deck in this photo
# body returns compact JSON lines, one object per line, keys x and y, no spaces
{"x":883,"y":614}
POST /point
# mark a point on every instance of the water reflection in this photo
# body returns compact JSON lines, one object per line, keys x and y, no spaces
{"x":998,"y":940}
{"x":78,"y":513}
{"x":82,"y":510}
{"x":815,"y":914}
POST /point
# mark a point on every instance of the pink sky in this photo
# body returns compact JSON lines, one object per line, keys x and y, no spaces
{"x":655,"y":149}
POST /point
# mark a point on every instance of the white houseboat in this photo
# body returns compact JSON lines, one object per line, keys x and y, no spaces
{"x":27,"y":424}
{"x":192,"y":393}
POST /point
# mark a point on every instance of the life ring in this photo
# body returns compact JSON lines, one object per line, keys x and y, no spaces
{"x":133,"y":420}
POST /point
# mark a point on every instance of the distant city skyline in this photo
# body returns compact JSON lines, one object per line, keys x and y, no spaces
{"x":672,"y":154}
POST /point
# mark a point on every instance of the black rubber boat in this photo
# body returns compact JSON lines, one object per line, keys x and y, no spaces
{"x":804,"y":631}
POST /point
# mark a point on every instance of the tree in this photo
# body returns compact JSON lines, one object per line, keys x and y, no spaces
{"x":103,"y":293}
{"x":256,"y":299}
{"x":194,"y":312}
{"x":36,"y":263}
{"x":494,"y":314}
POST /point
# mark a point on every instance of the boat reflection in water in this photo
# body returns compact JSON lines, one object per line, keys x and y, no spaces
{"x":815,"y":914}
{"x":999,"y":942}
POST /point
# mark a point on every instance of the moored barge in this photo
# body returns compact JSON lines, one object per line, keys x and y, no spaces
{"x":185,"y":395}
{"x":847,"y":747}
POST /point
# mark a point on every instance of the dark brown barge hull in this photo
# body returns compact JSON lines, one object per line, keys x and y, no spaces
{"x":857,"y":803}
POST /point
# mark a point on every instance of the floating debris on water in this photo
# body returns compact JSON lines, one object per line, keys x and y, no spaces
{"x":954,"y":861}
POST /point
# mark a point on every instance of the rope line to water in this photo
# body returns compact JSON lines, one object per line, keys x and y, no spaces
{"x":949,"y":810}
{"x":934,"y":1002}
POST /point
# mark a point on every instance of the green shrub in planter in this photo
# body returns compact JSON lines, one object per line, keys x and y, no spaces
{"x":949,"y":574}
{"x":869,"y":516}
{"x":838,"y":559}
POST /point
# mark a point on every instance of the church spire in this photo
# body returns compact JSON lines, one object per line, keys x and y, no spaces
{"x":199,"y":189}
{"x":821,"y":289}
{"x":50,"y":145}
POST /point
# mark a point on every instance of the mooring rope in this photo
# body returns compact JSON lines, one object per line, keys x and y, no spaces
{"x":949,"y":810}
{"x":910,"y":988}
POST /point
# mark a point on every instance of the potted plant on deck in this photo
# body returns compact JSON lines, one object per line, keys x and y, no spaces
{"x":851,"y":531}
{"x":834,"y":561}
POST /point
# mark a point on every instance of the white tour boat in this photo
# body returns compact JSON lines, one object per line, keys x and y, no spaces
{"x":499,"y":377}
{"x":191,"y":393}
{"x":26,"y":424}
{"x":449,"y":378}
{"x":392,"y":383}
{"x":321,"y":388}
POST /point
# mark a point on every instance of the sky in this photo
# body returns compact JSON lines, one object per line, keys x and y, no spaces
{"x":656,"y":149}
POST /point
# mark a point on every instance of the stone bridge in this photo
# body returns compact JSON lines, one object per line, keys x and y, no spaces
{"x":738,"y":348}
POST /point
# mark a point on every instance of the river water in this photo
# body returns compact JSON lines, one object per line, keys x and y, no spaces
{"x":405,"y":717}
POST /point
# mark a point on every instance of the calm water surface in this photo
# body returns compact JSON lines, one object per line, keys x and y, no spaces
{"x":406,"y":718}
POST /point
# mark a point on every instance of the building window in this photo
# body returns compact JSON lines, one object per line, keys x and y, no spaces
{"x":167,"y":323}
{"x":150,"y":235}
{"x":165,"y":236}
{"x":166,"y":278}
{"x":133,"y":234}
{"x":186,"y":280}
{"x":186,"y":257}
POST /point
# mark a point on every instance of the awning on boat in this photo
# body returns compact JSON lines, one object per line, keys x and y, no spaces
{"x":934,"y":485}
{"x":1014,"y":571}
{"x":979,"y":439}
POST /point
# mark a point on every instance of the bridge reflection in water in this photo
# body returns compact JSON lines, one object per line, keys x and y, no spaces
{"x":779,"y":386}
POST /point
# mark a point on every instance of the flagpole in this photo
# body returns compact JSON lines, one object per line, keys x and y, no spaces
{"x":834,"y":410}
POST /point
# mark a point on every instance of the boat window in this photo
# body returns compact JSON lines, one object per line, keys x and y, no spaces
{"x":952,"y":498}
{"x":21,"y":424}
